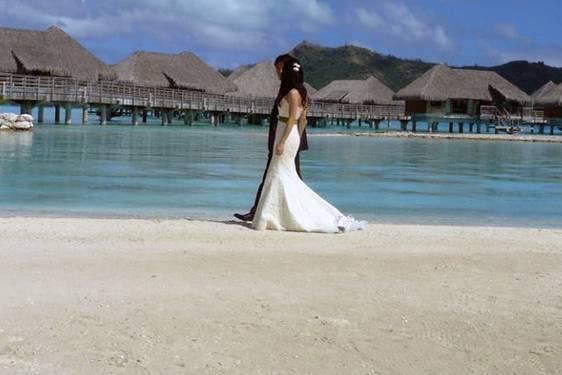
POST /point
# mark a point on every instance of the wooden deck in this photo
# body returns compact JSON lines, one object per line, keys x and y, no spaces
{"x":32,"y":91}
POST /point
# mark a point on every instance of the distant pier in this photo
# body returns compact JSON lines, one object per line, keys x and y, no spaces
{"x":110,"y":97}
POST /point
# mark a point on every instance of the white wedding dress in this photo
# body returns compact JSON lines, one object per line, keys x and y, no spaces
{"x":286,"y":202}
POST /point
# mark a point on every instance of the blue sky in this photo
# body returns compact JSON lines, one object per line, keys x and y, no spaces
{"x":228,"y":33}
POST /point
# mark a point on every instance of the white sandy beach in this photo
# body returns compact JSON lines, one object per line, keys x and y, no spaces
{"x":95,"y":296}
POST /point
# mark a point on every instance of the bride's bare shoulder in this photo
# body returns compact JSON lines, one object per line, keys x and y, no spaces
{"x":294,"y":95}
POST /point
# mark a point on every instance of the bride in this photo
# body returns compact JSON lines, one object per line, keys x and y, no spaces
{"x":287,"y":203}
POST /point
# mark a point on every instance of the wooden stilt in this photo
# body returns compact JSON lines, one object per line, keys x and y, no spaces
{"x":85,"y":110}
{"x":57,"y":114}
{"x":68,"y":113}
{"x":135,"y":116}
{"x":450,"y":127}
{"x":26,"y":108}
{"x":41,"y":114}
{"x":163,"y":116}
{"x":103,"y":114}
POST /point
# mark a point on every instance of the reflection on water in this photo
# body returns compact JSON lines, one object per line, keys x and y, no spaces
{"x":205,"y":172}
{"x":16,"y":144}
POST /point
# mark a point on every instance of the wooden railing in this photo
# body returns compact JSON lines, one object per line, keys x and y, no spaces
{"x":17,"y":87}
{"x":527,"y":114}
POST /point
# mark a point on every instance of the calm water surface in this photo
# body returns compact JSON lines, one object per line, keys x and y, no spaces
{"x":209,"y":173}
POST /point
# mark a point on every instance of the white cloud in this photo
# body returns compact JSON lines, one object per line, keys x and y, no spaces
{"x":220,"y":24}
{"x":310,"y":11}
{"x":441,"y":38}
{"x":507,"y":30}
{"x":369,"y":19}
{"x":396,"y":20}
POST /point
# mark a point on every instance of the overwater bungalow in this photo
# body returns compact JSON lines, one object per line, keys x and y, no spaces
{"x":310,"y":90}
{"x":543,"y":90}
{"x":367,"y":91}
{"x":167,"y":70}
{"x":550,"y":100}
{"x":444,"y":94}
{"x":259,"y":81}
{"x":370,"y":91}
{"x":181,"y":71}
{"x":43,"y":55}
{"x":48,"y":53}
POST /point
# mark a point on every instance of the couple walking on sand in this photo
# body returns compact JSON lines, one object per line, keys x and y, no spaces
{"x":283,"y":200}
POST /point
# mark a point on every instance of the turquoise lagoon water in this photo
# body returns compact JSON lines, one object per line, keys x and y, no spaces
{"x":204,"y":172}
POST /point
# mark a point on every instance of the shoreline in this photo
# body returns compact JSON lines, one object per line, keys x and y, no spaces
{"x":93,"y":296}
{"x":329,"y":132}
{"x":229,"y":219}
{"x":455,"y":136}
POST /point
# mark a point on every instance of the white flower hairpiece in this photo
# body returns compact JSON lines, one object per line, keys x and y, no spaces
{"x":296,"y":67}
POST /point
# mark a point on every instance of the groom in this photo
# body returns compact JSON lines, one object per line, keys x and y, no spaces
{"x":279,"y":64}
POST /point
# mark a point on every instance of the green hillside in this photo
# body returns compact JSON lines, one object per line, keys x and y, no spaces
{"x":325,"y":64}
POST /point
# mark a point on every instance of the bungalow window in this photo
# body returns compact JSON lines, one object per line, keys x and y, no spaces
{"x":435,"y":106}
{"x":459,"y":106}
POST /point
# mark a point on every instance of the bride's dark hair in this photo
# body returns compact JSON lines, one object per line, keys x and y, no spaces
{"x":292,"y":77}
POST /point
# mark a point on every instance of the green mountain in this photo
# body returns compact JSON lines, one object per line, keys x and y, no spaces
{"x":528,"y":76}
{"x":324,"y":64}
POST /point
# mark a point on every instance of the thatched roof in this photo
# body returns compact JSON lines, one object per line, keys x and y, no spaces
{"x":368,"y":91}
{"x":50,"y":52}
{"x":441,"y":83}
{"x":259,"y":81}
{"x":238,"y":72}
{"x":184,"y":70}
{"x":310,"y":90}
{"x":545,"y":89}
{"x":551,"y":97}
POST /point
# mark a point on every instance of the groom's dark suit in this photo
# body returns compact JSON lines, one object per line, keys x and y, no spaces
{"x":271,"y":148}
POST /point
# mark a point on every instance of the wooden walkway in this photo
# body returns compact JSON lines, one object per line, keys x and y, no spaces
{"x":105,"y":96}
